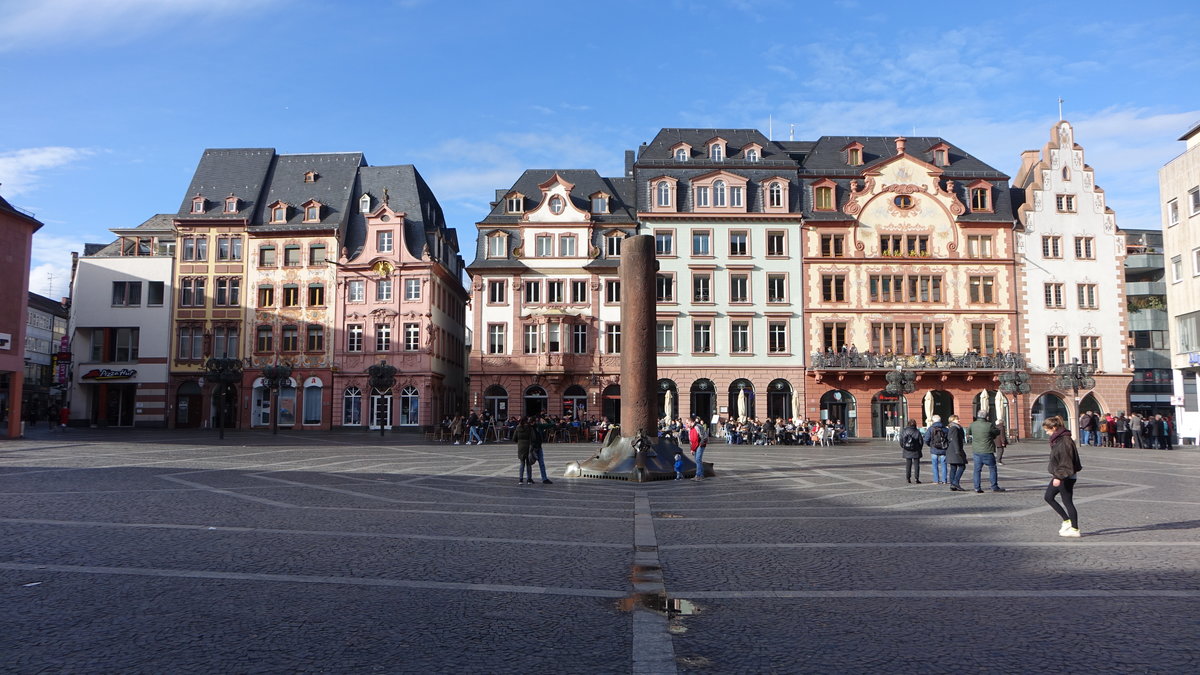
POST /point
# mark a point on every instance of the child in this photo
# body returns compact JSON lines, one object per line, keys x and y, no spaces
{"x":678,"y":466}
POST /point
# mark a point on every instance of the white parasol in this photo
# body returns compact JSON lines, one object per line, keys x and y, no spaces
{"x":984,"y":403}
{"x":667,"y":401}
{"x":928,"y":408}
{"x":797,"y":406}
{"x":741,"y":402}
{"x":1001,"y":410}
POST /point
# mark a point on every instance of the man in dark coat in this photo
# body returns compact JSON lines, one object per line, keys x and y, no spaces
{"x":983,"y":445}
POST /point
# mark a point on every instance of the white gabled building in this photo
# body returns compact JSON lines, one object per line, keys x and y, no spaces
{"x":1071,"y":258}
{"x":121,"y":328}
{"x":1179,"y":190}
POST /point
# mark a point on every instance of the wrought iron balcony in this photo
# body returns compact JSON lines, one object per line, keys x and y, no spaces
{"x":941,"y":361}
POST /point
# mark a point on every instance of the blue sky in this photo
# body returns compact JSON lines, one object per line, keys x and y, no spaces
{"x":108,"y":104}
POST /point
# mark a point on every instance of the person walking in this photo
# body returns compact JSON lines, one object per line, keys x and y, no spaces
{"x":1064,"y":469}
{"x":697,"y":440}
{"x":1001,"y":444}
{"x":535,"y":450}
{"x":956,"y":455}
{"x":910,"y":449}
{"x":523,"y":435}
{"x":456,"y":429}
{"x":64,"y":417}
{"x":1155,"y":432}
{"x":937,"y":438}
{"x":1136,"y":427}
{"x":983,"y":445}
{"x":473,"y":428}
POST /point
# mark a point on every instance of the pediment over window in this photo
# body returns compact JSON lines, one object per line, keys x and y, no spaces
{"x":277,"y":212}
{"x":514,"y":203}
{"x":313,"y":211}
{"x":681,"y":152}
{"x":232,"y":203}
{"x":752,"y":152}
{"x":853,"y":153}
{"x":716,"y":148}
{"x":939,"y":154}
{"x":199,"y":204}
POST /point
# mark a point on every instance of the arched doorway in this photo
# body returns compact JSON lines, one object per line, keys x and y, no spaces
{"x":495,"y":402}
{"x":889,"y":414}
{"x":575,"y":402}
{"x":779,"y":399}
{"x":838,"y":406}
{"x":231,"y":407}
{"x":741,"y":399}
{"x":704,"y":399}
{"x":666,"y":392}
{"x":188,"y":406}
{"x":410,"y":407}
{"x":936,"y":402}
{"x":1089,"y":403}
{"x":1047,"y":405}
{"x":535,"y":401}
{"x":612,"y":403}
{"x":984,"y":402}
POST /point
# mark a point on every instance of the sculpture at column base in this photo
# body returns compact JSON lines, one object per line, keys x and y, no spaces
{"x":639,"y":459}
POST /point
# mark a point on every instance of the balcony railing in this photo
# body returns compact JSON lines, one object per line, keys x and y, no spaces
{"x":940,"y":361}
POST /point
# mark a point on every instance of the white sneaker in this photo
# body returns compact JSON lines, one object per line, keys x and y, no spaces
{"x":456,"y":442}
{"x":1066,"y":525}
{"x":1069,"y":532}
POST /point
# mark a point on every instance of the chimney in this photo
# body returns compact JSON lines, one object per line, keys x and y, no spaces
{"x":629,"y":164}
{"x":900,"y":145}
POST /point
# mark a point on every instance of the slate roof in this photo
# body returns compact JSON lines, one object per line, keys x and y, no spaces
{"x":333,"y":188}
{"x":53,"y":307}
{"x":408,"y":192}
{"x":587,"y":182}
{"x":659,"y":149}
{"x":224,"y":171}
{"x":827,"y":159}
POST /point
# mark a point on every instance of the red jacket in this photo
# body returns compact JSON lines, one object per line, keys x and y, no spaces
{"x":694,"y":438}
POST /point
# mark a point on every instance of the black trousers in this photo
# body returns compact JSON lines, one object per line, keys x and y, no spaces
{"x":1066,"y":490}
{"x":912,"y":468}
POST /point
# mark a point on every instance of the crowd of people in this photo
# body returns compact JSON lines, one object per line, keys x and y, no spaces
{"x":1118,"y":431}
{"x":757,"y":431}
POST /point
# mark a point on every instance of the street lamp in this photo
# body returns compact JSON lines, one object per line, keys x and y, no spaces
{"x":382,"y":377}
{"x":900,"y":382}
{"x":224,"y":372}
{"x":1076,"y":376}
{"x":274,"y":377}
{"x":1015,"y":381}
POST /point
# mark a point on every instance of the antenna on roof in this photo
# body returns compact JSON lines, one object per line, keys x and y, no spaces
{"x":1060,"y":102}
{"x":791,"y":132}
{"x":770,"y":127}
{"x":50,"y":283}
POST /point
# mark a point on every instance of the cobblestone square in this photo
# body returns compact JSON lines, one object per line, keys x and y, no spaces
{"x":170,"y":552}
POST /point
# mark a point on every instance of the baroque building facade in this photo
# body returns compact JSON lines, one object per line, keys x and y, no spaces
{"x":1072,"y":283}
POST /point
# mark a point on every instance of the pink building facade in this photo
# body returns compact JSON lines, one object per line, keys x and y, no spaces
{"x":16,"y":246}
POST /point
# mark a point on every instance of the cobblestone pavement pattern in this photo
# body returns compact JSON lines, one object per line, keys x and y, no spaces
{"x":155,"y":552}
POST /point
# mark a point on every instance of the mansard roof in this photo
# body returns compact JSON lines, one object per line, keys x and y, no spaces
{"x":659,"y":150}
{"x":224,"y":171}
{"x":333,"y":186}
{"x":586,"y":182}
{"x":405,"y":191}
{"x":828,"y":157}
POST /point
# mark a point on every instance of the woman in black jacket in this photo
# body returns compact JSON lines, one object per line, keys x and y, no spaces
{"x":956,"y":456}
{"x":1064,"y":466}
{"x":910,"y":444}
{"x":523,"y":435}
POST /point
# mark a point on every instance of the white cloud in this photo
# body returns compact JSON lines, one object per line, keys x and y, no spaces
{"x":20,"y":169}
{"x":26,"y":24}
{"x":50,"y":272}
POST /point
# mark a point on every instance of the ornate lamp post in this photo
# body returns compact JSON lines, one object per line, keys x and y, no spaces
{"x":900,"y":382}
{"x":1015,"y":382}
{"x":274,"y":377}
{"x":1076,"y":376}
{"x":382,"y":377}
{"x":224,"y":372}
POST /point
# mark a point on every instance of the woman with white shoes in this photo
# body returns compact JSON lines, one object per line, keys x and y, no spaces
{"x":1064,"y":468}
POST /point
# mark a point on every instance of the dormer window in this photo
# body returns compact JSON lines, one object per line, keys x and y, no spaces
{"x":557,"y":204}
{"x":941,"y":154}
{"x":775,"y":194}
{"x":279,"y":212}
{"x":231,"y":204}
{"x":364,"y":203}
{"x":716,"y":152}
{"x":310,"y":176}
{"x":981,"y":196}
{"x":312,"y":211}
{"x":854,"y":153}
{"x":824,"y":195}
{"x":752,"y":155}
{"x":198,"y":204}
{"x":681,"y":154}
{"x":515,"y":203}
{"x":600,"y":203}
{"x":663,"y":192}
{"x":497,"y":245}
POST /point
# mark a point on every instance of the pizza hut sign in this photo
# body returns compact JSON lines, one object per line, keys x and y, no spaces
{"x":109,"y":374}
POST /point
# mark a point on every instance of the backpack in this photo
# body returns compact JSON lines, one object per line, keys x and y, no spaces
{"x":910,"y":441}
{"x":939,"y":439}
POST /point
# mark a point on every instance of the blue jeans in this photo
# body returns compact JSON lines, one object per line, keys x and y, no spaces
{"x":989,"y":459}
{"x":541,"y":460}
{"x":956,"y":472}
{"x":700,"y":461}
{"x":940,"y":473}
{"x":475,"y":435}
{"x":526,"y":468}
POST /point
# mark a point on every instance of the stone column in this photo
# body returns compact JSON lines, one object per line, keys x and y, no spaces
{"x":639,"y":359}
